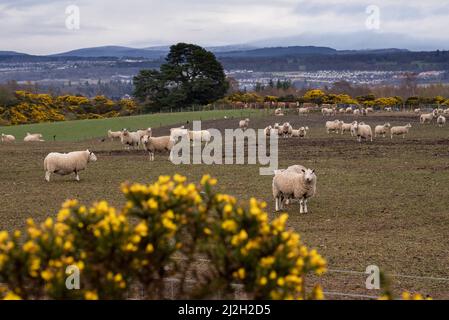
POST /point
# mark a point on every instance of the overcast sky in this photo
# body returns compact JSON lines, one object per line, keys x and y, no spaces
{"x":39,"y":26}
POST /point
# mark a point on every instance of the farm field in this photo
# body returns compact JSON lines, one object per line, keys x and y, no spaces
{"x":78,"y":130}
{"x":383,"y":203}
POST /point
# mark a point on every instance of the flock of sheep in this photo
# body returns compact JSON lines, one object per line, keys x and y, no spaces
{"x":296,"y":183}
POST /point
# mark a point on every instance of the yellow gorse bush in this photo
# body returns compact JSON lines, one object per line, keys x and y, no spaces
{"x":164,"y":230}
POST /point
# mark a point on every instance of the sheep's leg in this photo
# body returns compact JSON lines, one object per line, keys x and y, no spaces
{"x":301,"y":206}
{"x":305,"y":205}
{"x":77,"y":176}
{"x":276,"y":203}
{"x":47,"y":175}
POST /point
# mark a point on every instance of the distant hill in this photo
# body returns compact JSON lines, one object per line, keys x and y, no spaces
{"x":278,"y":51}
{"x":115,"y":52}
{"x":12,"y":53}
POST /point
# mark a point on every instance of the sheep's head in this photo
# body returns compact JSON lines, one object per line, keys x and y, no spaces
{"x":408,"y":125}
{"x":387,"y":125}
{"x":92,"y":156}
{"x":309,"y":175}
{"x":145,"y":139}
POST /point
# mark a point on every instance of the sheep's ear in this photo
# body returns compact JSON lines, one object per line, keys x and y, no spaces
{"x":313,"y":170}
{"x":303,"y":170}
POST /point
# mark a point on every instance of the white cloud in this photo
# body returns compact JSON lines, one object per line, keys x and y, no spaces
{"x":38,"y":26}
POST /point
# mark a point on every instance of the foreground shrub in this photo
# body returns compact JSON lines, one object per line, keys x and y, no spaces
{"x":164,"y":230}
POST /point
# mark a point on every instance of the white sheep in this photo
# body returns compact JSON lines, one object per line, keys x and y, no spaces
{"x":346,"y":127}
{"x":130,"y":139}
{"x":369,"y":109}
{"x":400,"y":130}
{"x":417,"y":110}
{"x":271,"y":131}
{"x":303,"y":110}
{"x":293,"y":185}
{"x":8,"y":138}
{"x":112,"y":135}
{"x":356,"y":112}
{"x":153,"y":144}
{"x":301,"y":132}
{"x":363,"y":131}
{"x":243,"y":124}
{"x":427,"y":117}
{"x":333,"y":126}
{"x":285,"y":130}
{"x":388,"y":109}
{"x":446,"y":111}
{"x":328,"y":111}
{"x":33,"y":137}
{"x":201,"y":136}
{"x":441,"y":121}
{"x":278,"y":112}
{"x":67,"y":163}
{"x":349,"y":110}
{"x":381,"y":130}
{"x":341,"y":110}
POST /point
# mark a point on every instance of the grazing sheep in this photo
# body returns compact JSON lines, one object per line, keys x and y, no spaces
{"x":417,"y":110}
{"x":8,"y":138}
{"x":67,"y":163}
{"x":178,"y":132}
{"x":400,"y":130}
{"x":381,"y":130}
{"x":153,"y":144}
{"x":441,"y":121}
{"x":243,"y":124}
{"x":328,"y":111}
{"x":333,"y":126}
{"x":202,"y":136}
{"x":33,"y":137}
{"x":346,"y":127}
{"x":130,"y":139}
{"x":293,"y":185}
{"x":427,"y":117}
{"x":363,"y":131}
{"x":301,"y":132}
{"x":112,"y":135}
{"x":303,"y":110}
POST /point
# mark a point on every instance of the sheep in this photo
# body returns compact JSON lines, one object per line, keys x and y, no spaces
{"x":278,"y":112}
{"x":417,"y":110}
{"x":363,"y":131}
{"x":8,"y":138}
{"x":178,"y":132}
{"x":333,"y":126}
{"x":33,"y":137}
{"x":446,"y":111}
{"x":271,"y":131}
{"x":130,"y":139}
{"x":353,"y":128}
{"x":341,"y":110}
{"x":243,"y":124}
{"x":388,"y":109}
{"x":153,"y":144}
{"x":202,"y":135}
{"x":349,"y":110}
{"x":381,"y":130}
{"x":369,"y":109}
{"x":303,"y":110}
{"x":301,"y":132}
{"x":356,"y":112}
{"x":441,"y":121}
{"x":112,"y":135}
{"x":346,"y":127}
{"x":293,"y":185}
{"x":427,"y":117}
{"x":400,"y":130}
{"x":285,"y":130}
{"x":67,"y":163}
{"x":328,"y":111}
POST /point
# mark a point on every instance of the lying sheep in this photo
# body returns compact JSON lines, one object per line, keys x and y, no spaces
{"x":301,"y":132}
{"x":333,"y":126}
{"x":441,"y":121}
{"x":243,"y":124}
{"x":201,"y":136}
{"x":33,"y":137}
{"x":388,"y":109}
{"x":400,"y":130}
{"x":346,"y":127}
{"x":112,"y":135}
{"x":285,"y":130}
{"x":369,"y":110}
{"x":427,"y":117}
{"x":278,"y":112}
{"x":153,"y":144}
{"x":130,"y":139}
{"x":293,"y":185}
{"x":67,"y":163}
{"x":381,"y":130}
{"x":271,"y":131}
{"x":303,"y":110}
{"x":363,"y":131}
{"x":8,"y":138}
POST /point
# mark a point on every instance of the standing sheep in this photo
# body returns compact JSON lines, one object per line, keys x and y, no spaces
{"x":381,"y":130}
{"x":289,"y":184}
{"x":427,"y":117}
{"x":112,"y":135}
{"x":333,"y":126}
{"x":346,"y":127}
{"x":301,"y":132}
{"x":243,"y":124}
{"x":363,"y":131}
{"x":153,"y":144}
{"x":33,"y":137}
{"x":400,"y":130}
{"x":8,"y":138}
{"x":201,"y":136}
{"x":130,"y":139}
{"x":67,"y":163}
{"x":441,"y":121}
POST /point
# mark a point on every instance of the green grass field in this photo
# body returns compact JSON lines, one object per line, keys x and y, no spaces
{"x":87,"y":129}
{"x":378,"y":203}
